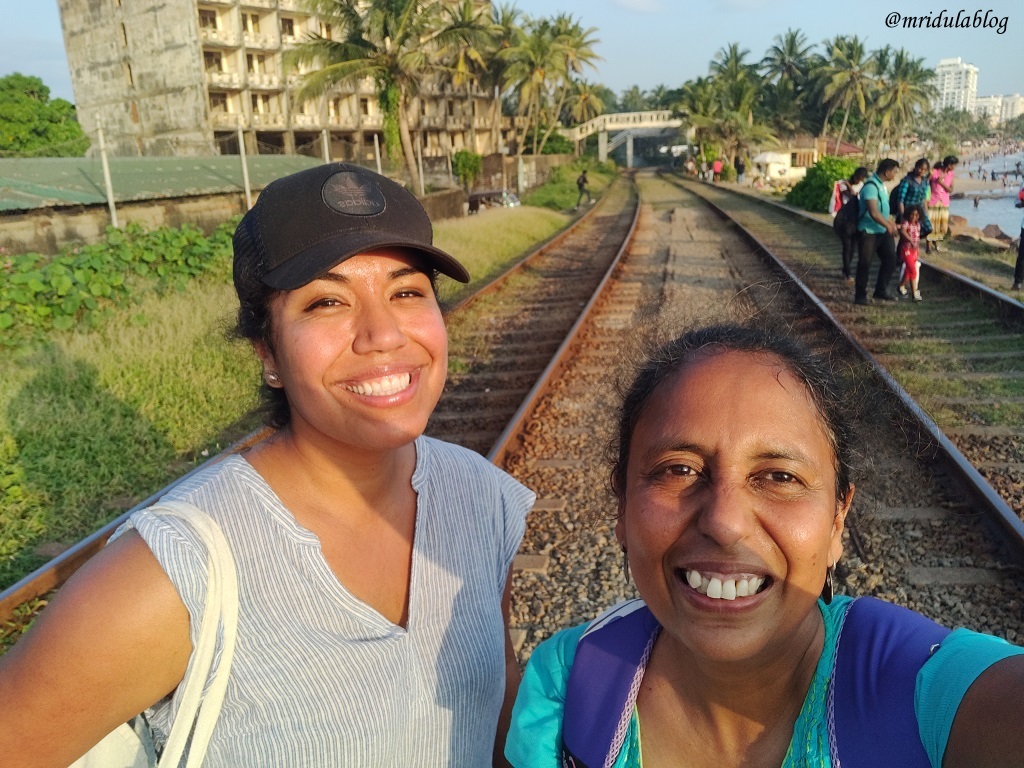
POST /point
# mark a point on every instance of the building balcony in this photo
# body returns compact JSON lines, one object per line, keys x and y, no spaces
{"x":371,"y":121}
{"x":262,"y":41}
{"x":344,"y":122}
{"x":216,"y":2}
{"x":225,"y":38}
{"x":287,"y":40}
{"x":306,"y":121}
{"x":291,"y":5}
{"x":455,"y":124}
{"x":432,"y":121}
{"x":269,"y":120}
{"x":258,"y":4}
{"x":229,"y":80}
{"x":264,"y":81}
{"x":225,"y":120}
{"x":482,"y":122}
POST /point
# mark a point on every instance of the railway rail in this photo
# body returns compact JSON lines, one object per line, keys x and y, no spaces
{"x":917,"y":535}
{"x":501,"y":338}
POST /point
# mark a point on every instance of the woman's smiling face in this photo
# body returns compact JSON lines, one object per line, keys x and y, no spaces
{"x":361,"y":352}
{"x":729,"y":512}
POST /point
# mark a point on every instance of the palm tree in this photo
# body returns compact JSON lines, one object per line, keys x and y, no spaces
{"x":908,"y":92}
{"x":700,"y":106}
{"x":848,"y":77}
{"x":576,"y":46}
{"x":585,"y":101}
{"x":787,"y":59}
{"x":531,"y":63}
{"x":634,"y":100}
{"x":467,"y":42}
{"x":507,"y":32}
{"x":394,"y":43}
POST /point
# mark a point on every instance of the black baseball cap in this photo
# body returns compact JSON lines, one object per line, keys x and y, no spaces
{"x":304,"y":224}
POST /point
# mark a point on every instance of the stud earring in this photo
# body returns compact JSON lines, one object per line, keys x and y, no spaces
{"x":272,"y":379}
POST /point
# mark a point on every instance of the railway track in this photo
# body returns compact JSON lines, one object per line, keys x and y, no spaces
{"x":957,"y":354}
{"x":917,"y":534}
{"x":501,"y":339}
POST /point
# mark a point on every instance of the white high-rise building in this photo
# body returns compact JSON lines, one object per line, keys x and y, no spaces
{"x":957,"y":84}
{"x":999,"y":109}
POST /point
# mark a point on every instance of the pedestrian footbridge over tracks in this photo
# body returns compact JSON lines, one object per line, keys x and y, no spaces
{"x":626,"y":126}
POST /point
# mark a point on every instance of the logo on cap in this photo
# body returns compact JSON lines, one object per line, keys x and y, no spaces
{"x":352,"y":193}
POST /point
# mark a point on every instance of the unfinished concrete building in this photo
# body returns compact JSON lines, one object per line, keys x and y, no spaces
{"x":188,"y":77}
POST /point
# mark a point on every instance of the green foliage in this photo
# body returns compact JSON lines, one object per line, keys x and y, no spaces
{"x":556,"y":144}
{"x":467,"y":167}
{"x":33,"y":125}
{"x":559,"y":192}
{"x":80,"y":286}
{"x":813,"y":191}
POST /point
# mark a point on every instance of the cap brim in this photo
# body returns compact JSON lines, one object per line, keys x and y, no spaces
{"x":319,"y":258}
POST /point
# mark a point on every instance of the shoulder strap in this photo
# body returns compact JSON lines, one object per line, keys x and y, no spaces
{"x":603,"y":684}
{"x":881,"y":649}
{"x":197,"y":714}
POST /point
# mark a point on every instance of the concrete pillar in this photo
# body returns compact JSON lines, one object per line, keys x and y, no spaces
{"x":602,"y":146}
{"x":629,"y":151}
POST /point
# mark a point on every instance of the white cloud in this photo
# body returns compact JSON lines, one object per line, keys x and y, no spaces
{"x":640,"y":6}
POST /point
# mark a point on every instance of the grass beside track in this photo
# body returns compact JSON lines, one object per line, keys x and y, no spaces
{"x":92,"y":422}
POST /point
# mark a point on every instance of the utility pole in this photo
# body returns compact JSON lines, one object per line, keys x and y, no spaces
{"x":106,"y":175}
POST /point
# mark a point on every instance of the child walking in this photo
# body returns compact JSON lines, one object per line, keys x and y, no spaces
{"x":910,"y":236}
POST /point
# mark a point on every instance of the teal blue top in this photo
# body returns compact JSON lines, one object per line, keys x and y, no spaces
{"x":873,"y":189}
{"x":535,"y":737}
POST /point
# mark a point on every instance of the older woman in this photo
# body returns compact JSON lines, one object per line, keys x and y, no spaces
{"x":733,"y":483}
{"x":372,"y":561}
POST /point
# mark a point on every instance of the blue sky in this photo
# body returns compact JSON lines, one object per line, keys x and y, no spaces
{"x":652,"y":42}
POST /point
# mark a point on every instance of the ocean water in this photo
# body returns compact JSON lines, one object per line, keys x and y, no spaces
{"x":999,"y":211}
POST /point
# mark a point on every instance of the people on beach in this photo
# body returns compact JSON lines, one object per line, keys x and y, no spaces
{"x":738,"y":651}
{"x":876,"y":234}
{"x":844,"y":207}
{"x":910,"y":236}
{"x":372,"y":561}
{"x":941,"y":181}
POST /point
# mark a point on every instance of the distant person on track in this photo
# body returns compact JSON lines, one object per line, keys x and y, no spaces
{"x":716,"y":170}
{"x":373,"y":561}
{"x":583,"y":185}
{"x":941,"y":180}
{"x":844,"y":207}
{"x":741,"y":170}
{"x":912,"y":192}
{"x":738,"y":652}
{"x":907,"y":250}
{"x":875,"y":235}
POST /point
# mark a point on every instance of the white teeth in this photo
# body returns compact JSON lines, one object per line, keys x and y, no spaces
{"x":715,"y":587}
{"x":382,"y":387}
{"x":723,"y":589}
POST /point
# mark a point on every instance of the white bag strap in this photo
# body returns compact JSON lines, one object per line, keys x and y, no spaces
{"x":221,"y":610}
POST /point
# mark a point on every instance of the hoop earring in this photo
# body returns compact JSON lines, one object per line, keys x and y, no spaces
{"x":829,"y":590}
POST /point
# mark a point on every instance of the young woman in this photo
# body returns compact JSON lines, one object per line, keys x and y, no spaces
{"x":372,"y":561}
{"x":732,"y":519}
{"x":941,"y":180}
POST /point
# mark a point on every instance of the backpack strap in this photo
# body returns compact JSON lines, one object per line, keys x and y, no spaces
{"x":881,"y":649}
{"x":603,"y":683}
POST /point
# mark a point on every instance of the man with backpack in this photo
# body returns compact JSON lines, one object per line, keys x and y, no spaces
{"x":581,"y":184}
{"x":845,"y":209}
{"x":876,"y":234}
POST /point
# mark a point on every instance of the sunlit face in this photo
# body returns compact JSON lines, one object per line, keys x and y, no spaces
{"x":362,"y":353}
{"x":729,"y":514}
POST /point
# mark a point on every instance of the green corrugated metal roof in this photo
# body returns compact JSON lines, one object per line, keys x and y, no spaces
{"x":58,"y":181}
